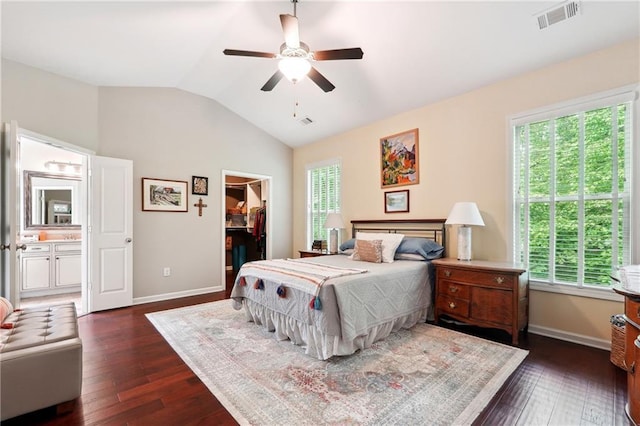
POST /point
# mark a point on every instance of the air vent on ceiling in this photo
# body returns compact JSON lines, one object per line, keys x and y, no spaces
{"x":558,"y":13}
{"x":305,"y":121}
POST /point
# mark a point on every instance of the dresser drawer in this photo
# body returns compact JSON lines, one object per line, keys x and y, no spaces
{"x":451,"y":305}
{"x":632,"y":310}
{"x":453,"y":289}
{"x":476,"y":277}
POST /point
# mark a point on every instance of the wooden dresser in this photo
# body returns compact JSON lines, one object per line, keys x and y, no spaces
{"x":630,"y":289}
{"x":486,"y":294}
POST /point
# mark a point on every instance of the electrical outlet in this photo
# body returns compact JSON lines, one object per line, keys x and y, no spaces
{"x":166,"y":272}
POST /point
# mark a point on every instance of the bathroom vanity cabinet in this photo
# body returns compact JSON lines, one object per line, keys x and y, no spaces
{"x":51,"y":267}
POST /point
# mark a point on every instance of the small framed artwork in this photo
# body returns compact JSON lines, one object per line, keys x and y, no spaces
{"x":163,"y":195}
{"x":396,"y":201}
{"x":199,"y":185}
{"x":399,"y":159}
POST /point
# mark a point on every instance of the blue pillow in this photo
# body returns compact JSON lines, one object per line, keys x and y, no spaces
{"x":349,"y":244}
{"x":424,"y":247}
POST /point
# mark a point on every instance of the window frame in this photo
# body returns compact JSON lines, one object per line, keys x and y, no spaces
{"x":308,"y":168}
{"x":603,"y":99}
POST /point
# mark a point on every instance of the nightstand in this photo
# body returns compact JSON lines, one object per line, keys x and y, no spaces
{"x":486,"y":294}
{"x":313,"y":253}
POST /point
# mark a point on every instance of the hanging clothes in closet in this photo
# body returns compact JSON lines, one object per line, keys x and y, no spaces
{"x":260,"y":231}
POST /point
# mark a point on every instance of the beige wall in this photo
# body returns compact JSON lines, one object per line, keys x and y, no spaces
{"x":464,"y":156}
{"x":168,"y":134}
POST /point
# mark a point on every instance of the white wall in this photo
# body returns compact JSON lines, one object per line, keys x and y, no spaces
{"x":49,"y":104}
{"x":168,"y":134}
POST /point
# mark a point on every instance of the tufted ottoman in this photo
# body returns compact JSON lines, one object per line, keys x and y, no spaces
{"x":40,"y":359}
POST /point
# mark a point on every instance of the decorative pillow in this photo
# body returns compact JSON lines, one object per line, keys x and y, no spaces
{"x":348,"y":245}
{"x":409,"y":256}
{"x":424,"y":247}
{"x":368,"y":251}
{"x":390,"y":243}
{"x":5,"y":308}
{"x":347,"y":252}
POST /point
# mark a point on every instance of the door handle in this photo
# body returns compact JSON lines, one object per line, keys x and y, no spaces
{"x":128,"y":240}
{"x":5,"y":246}
{"x":21,"y":247}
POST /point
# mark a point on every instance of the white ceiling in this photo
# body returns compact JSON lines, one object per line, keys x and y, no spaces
{"x":415,"y":53}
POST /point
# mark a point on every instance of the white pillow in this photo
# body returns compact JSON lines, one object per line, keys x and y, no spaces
{"x":390,"y":243}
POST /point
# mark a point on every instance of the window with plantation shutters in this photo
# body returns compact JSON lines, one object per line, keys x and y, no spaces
{"x":323,"y":197}
{"x":572,"y":199}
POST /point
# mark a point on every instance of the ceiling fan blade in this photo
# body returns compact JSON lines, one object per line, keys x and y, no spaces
{"x":329,"y":55}
{"x":271,"y":83}
{"x":233,"y":52}
{"x":320,"y":80}
{"x":291,"y":31}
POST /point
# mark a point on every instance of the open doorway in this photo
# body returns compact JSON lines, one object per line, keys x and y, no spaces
{"x":52,"y":223}
{"x":245,"y":221}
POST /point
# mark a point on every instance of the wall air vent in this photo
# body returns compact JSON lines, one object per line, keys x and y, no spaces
{"x":558,"y":13}
{"x":305,"y":121}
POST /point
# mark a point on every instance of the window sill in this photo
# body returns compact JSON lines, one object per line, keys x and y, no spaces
{"x":594,"y":293}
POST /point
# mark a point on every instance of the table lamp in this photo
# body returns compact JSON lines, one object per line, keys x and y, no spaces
{"x":465,"y":214}
{"x":333,"y":222}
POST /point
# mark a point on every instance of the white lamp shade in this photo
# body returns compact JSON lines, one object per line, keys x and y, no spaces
{"x":465,"y":213}
{"x":334,"y":220}
{"x":294,"y":68}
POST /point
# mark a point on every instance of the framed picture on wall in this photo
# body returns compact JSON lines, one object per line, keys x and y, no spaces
{"x":199,"y":185}
{"x":399,"y":159}
{"x":163,"y":195}
{"x":396,"y":201}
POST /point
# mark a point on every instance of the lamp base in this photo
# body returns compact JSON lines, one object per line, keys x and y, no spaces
{"x":464,"y":243}
{"x":333,"y":241}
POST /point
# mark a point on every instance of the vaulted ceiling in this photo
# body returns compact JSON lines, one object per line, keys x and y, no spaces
{"x":415,"y":53}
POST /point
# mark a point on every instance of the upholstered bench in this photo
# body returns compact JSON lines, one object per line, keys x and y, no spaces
{"x":40,"y":359}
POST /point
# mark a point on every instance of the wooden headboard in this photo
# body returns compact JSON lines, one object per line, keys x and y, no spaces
{"x":433,"y":229}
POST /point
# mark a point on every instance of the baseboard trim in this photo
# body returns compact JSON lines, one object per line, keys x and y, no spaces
{"x":571,"y":337}
{"x":176,"y":295}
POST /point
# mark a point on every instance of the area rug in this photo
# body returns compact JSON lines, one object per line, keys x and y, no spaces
{"x":425,"y":375}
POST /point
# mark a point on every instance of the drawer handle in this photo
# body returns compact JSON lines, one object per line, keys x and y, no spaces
{"x":453,"y":289}
{"x":452,"y":305}
{"x":499,"y":280}
{"x":447,"y":273}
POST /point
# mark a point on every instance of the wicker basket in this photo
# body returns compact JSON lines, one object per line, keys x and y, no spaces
{"x":618,"y":340}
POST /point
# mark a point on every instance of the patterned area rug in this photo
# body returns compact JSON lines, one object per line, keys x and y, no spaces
{"x":425,"y":375}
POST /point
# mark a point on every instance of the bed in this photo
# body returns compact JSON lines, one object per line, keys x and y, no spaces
{"x":338,"y":304}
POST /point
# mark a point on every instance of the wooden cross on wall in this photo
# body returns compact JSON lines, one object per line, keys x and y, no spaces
{"x":200,"y":206}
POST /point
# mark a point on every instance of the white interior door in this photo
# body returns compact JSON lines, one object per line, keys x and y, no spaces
{"x":110,"y":233}
{"x":10,"y":247}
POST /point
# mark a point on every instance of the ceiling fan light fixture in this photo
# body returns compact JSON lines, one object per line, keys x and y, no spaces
{"x":294,"y":69}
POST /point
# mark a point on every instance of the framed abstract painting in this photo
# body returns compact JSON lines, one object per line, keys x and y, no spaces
{"x":399,"y":159}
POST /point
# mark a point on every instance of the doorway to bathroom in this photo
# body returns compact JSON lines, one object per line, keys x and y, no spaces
{"x":52,"y":222}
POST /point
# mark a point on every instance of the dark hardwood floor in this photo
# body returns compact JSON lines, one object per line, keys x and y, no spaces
{"x":132,"y":376}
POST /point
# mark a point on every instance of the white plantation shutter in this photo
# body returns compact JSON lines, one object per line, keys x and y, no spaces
{"x":572,"y":191}
{"x":323,"y":197}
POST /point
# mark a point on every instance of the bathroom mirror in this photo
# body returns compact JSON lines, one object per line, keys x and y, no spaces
{"x":51,"y":201}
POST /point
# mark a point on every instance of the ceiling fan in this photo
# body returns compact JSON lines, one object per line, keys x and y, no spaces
{"x":295,"y":56}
